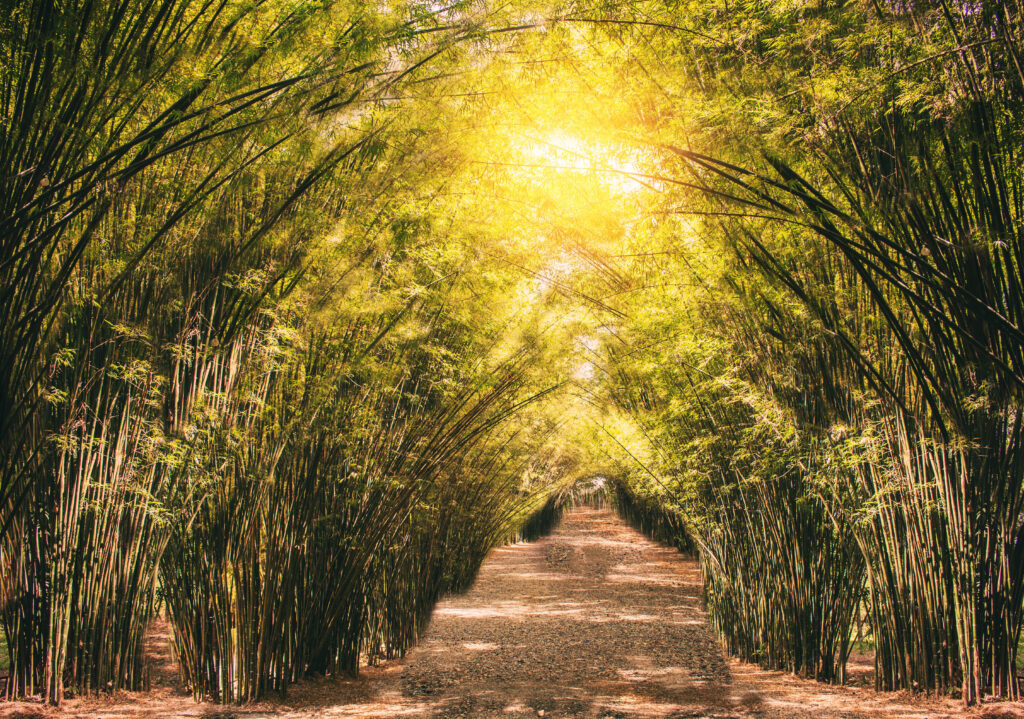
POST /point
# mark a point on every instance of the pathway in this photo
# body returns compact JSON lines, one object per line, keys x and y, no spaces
{"x":593,"y":621}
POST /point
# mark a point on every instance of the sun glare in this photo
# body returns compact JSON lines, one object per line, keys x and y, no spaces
{"x":616,"y":169}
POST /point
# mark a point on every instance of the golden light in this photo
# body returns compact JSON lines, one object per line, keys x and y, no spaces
{"x":616,"y":168}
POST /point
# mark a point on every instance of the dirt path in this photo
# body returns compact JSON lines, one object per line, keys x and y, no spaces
{"x":592,"y":621}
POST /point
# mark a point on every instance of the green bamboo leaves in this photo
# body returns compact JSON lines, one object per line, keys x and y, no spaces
{"x":170,"y":171}
{"x":888,"y":328}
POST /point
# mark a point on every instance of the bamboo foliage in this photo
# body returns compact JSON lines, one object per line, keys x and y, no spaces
{"x":169,"y":170}
{"x":910,"y":279}
{"x":952,"y":407}
{"x":321,"y":557}
{"x":782,"y":572}
{"x":126,"y":388}
{"x":254,"y":373}
{"x":93,"y":101}
{"x":651,"y":516}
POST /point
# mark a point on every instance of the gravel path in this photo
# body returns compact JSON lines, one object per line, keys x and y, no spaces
{"x":567,"y":626}
{"x":597,"y":621}
{"x":593,"y":621}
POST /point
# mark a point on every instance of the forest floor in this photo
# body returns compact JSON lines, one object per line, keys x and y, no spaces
{"x":592,"y":621}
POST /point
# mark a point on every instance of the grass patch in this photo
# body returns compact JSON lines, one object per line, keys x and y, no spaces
{"x":863,"y":646}
{"x":5,"y":657}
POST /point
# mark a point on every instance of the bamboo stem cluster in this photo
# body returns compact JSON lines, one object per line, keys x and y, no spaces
{"x":179,"y":430}
{"x":856,"y":435}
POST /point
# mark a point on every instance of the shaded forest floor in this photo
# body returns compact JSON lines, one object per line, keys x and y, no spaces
{"x":592,"y":621}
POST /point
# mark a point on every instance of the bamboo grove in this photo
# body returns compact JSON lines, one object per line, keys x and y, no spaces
{"x":190,"y":420}
{"x":307,"y":306}
{"x":842,"y":433}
